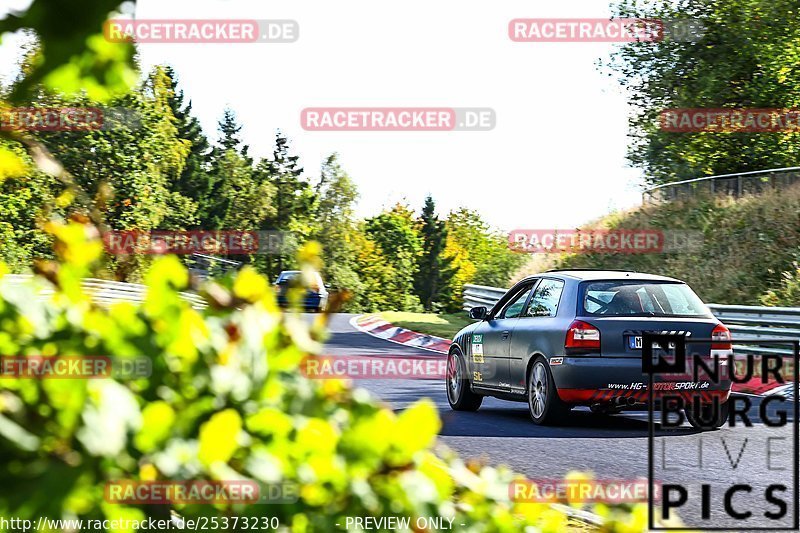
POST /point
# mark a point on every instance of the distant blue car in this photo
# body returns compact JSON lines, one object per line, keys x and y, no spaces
{"x":316,"y":298}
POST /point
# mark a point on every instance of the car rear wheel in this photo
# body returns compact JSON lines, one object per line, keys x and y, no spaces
{"x":544,"y":405}
{"x":708,"y":418}
{"x":459,"y":395}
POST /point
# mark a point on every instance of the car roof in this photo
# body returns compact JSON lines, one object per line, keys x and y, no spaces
{"x":605,"y":275}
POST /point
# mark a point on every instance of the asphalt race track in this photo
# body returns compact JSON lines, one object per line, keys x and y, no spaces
{"x":614,"y":447}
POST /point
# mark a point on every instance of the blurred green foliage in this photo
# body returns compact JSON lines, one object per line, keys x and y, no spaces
{"x":225,"y":401}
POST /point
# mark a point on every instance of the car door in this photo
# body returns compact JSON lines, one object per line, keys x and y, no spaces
{"x":536,"y":330}
{"x":491,"y":339}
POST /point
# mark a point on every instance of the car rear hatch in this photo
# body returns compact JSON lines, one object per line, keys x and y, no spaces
{"x":621,"y":336}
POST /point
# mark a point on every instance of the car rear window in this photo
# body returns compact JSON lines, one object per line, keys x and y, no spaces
{"x":285,"y":277}
{"x":641,"y":298}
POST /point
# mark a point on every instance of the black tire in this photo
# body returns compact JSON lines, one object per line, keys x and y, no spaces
{"x":708,"y":419}
{"x":459,"y":394}
{"x":544,"y":405}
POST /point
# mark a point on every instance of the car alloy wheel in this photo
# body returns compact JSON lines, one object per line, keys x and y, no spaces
{"x":454,"y":377}
{"x":544,"y":404}
{"x":459,"y":394}
{"x":538,"y":390}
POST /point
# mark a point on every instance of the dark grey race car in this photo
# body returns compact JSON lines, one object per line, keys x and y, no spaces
{"x":567,"y":338}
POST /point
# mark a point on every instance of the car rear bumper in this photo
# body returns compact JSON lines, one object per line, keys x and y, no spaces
{"x":310,"y":301}
{"x":588,"y":380}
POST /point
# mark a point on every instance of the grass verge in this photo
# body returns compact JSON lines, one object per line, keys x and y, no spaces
{"x":444,"y":325}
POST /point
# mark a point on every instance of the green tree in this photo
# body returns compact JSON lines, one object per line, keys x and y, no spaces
{"x":744,"y":59}
{"x":432,"y":280}
{"x":293,"y":196}
{"x":195,"y":181}
{"x":484,"y":248}
{"x":26,"y":202}
{"x":240,"y":198}
{"x":395,"y":234}
{"x":229,"y":129}
{"x":334,"y":225}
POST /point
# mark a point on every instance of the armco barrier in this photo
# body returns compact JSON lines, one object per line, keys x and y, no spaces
{"x":745,"y":322}
{"x":735,"y":185}
{"x":105,"y":292}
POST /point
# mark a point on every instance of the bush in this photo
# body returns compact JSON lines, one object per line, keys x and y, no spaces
{"x":225,"y":401}
{"x":788,"y":294}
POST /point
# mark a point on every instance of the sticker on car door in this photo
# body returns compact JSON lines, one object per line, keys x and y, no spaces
{"x":477,"y":348}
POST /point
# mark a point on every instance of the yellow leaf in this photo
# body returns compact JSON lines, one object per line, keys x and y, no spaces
{"x":65,"y":198}
{"x":157,"y":420}
{"x":148,"y":472}
{"x":11,"y":165}
{"x":250,"y":285}
{"x":418,"y":426}
{"x":219,"y":437}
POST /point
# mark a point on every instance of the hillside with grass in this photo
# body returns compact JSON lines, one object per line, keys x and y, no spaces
{"x":750,"y":249}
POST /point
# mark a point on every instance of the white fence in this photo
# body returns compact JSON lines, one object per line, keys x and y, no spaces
{"x":104,"y":292}
{"x":745,"y":322}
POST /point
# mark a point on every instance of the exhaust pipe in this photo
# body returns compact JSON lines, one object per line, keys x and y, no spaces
{"x":622,"y":401}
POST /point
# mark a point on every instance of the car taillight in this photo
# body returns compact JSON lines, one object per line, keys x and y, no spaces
{"x":721,"y":338}
{"x":582,"y":335}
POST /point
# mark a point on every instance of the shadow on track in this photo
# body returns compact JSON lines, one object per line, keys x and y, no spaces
{"x":515,"y":422}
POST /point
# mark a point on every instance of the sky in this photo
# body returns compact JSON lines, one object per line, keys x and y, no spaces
{"x":555,"y":159}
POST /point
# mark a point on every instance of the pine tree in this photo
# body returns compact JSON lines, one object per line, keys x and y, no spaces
{"x":434,"y":272}
{"x":196,"y":179}
{"x":229,"y":151}
{"x":229,"y":130}
{"x":293,"y":194}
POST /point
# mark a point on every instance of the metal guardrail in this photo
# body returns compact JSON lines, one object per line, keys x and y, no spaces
{"x":481,"y":295}
{"x":104,"y":292}
{"x":745,"y":322}
{"x":736,"y":185}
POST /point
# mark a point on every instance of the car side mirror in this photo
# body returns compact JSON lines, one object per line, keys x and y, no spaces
{"x":478,"y":313}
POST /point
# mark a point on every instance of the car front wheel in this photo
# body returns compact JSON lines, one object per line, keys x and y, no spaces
{"x":459,"y":395}
{"x":544,"y":405}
